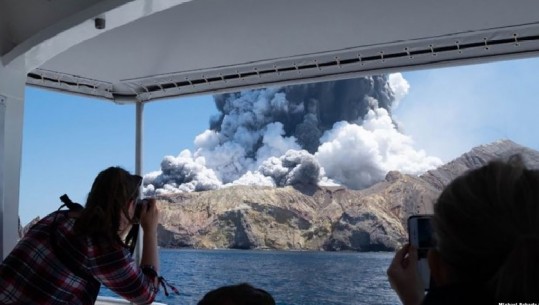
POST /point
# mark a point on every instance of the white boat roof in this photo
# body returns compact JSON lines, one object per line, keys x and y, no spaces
{"x":163,"y":48}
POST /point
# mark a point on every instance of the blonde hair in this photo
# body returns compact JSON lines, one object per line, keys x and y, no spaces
{"x":487,"y":226}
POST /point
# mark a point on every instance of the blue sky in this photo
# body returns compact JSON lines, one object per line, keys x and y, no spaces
{"x":69,"y":139}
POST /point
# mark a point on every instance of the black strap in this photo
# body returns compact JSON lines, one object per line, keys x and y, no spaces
{"x":72,"y":206}
{"x":60,"y":253}
{"x":131,"y":238}
{"x":164,"y":284}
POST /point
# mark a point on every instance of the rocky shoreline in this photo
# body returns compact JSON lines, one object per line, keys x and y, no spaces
{"x":310,"y":217}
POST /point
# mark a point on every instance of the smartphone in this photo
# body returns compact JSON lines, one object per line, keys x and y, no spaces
{"x":422,"y":238}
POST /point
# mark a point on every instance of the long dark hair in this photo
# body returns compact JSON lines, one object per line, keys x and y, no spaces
{"x":110,"y":195}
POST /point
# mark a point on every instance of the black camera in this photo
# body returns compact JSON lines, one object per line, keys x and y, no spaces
{"x":139,"y":205}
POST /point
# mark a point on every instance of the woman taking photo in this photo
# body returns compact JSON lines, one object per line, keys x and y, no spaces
{"x":66,"y":256}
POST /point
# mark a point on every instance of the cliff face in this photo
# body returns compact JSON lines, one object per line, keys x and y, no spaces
{"x":310,"y":218}
{"x":302,"y":218}
{"x":314,"y":217}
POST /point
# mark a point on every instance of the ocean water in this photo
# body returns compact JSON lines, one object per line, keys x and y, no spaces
{"x":292,"y":278}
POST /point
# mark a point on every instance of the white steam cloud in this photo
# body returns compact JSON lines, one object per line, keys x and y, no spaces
{"x":399,"y":86}
{"x":360,"y":155}
{"x":336,"y":132}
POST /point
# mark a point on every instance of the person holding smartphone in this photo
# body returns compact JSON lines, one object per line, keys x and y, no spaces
{"x":486,"y":226}
{"x":66,"y":256}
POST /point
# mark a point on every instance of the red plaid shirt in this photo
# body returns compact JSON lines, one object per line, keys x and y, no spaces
{"x":33,"y":274}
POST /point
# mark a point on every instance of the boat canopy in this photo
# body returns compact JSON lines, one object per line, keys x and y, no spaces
{"x":143,"y":50}
{"x":146,"y":50}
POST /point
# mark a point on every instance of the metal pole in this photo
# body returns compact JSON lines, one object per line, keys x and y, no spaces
{"x":139,"y":137}
{"x":138,"y":165}
{"x":2,"y":168}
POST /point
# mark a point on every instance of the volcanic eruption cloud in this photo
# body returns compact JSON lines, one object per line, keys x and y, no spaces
{"x":332,"y":133}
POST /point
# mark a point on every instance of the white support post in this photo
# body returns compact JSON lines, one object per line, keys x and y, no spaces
{"x":12,"y":84}
{"x":2,"y":128}
{"x":139,"y":134}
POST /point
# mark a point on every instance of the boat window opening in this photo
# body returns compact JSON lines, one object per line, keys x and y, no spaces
{"x":449,"y":94}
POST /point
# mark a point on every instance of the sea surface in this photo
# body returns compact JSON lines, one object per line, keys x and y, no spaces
{"x":292,"y":278}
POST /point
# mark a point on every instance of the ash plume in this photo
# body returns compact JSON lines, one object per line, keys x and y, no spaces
{"x":338,"y":132}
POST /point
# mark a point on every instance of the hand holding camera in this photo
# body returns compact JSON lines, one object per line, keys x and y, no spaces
{"x":409,"y":274}
{"x":404,"y":278}
{"x":422,"y":239}
{"x":147,"y":214}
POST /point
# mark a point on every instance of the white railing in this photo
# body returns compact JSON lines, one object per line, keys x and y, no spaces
{"x":112,"y":301}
